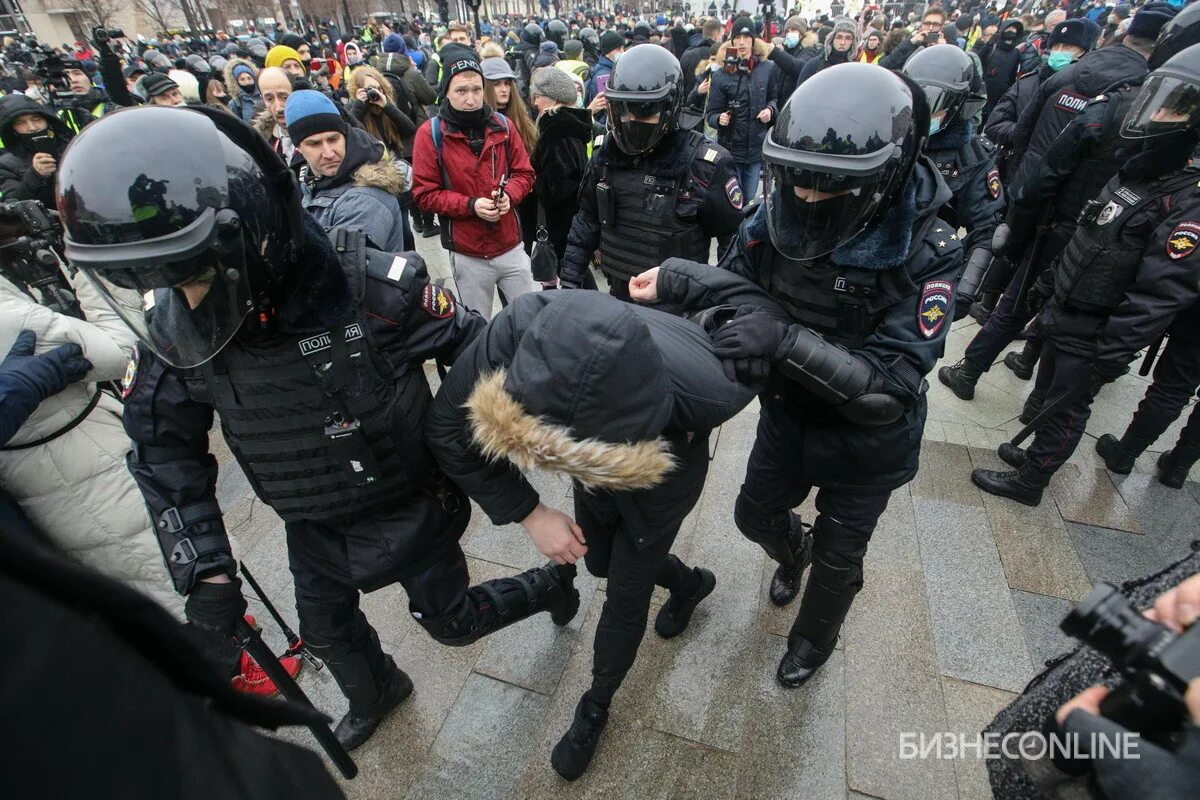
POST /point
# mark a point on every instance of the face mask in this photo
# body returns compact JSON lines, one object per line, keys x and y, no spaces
{"x":792,"y":39}
{"x":39,"y":142}
{"x":1059,"y":59}
{"x":1176,"y":3}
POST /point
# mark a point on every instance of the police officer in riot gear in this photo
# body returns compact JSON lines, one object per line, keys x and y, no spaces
{"x":651,"y":190}
{"x":1129,"y":269}
{"x":1076,"y":167}
{"x":849,"y":242}
{"x":310,"y":346}
{"x":966,"y":160}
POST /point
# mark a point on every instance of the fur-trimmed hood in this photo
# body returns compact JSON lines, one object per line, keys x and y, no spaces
{"x":264,"y":122}
{"x":231,"y":85}
{"x":502,"y":428}
{"x":587,"y":393}
{"x":383,"y":174}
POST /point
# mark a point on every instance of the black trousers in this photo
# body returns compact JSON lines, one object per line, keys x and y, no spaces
{"x":1176,"y":379}
{"x":772,"y":488}
{"x":1062,"y":372}
{"x":629,"y":543}
{"x":327,"y":602}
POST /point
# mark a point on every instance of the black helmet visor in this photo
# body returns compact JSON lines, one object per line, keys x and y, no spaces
{"x":1166,"y":103}
{"x":639,"y":120}
{"x":817,"y":202}
{"x":186,"y":297}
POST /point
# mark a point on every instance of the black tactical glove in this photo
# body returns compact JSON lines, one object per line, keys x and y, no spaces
{"x":216,"y":607}
{"x":1039,"y":293}
{"x":1106,"y":371}
{"x":748,"y":344}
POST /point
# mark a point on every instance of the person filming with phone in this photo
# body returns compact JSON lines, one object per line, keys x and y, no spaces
{"x":34,"y":140}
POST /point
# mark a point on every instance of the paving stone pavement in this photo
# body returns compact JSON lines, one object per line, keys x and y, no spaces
{"x":960,"y":607}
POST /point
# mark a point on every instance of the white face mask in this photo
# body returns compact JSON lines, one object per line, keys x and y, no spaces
{"x":792,"y":39}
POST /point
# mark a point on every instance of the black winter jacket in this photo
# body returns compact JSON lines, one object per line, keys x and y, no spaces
{"x":18,"y":181}
{"x":752,"y":92}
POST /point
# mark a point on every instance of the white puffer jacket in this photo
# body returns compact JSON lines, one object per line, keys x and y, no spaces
{"x":76,"y":488}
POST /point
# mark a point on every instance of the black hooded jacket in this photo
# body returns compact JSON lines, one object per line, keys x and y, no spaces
{"x":1001,"y":61}
{"x":592,"y":387}
{"x":18,"y":180}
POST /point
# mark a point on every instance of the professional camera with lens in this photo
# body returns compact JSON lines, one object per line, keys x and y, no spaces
{"x":373,"y":94}
{"x":30,"y":249}
{"x":49,"y":65}
{"x":107,"y":34}
{"x":1156,"y":662}
{"x":725,"y":132}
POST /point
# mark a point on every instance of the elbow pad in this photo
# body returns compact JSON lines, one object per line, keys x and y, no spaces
{"x":840,"y":378}
{"x":975,"y":272}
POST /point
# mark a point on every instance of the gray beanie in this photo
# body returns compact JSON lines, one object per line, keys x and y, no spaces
{"x":572,"y":49}
{"x":839,"y":25}
{"x":556,"y":84}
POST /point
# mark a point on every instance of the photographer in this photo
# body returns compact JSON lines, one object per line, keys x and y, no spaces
{"x":741,"y":102}
{"x":1167,"y":760}
{"x":116,"y":82}
{"x":34,"y":140}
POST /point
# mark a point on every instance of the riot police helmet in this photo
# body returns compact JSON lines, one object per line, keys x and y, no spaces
{"x":197,"y":65}
{"x":645,"y":95}
{"x":556,"y":31}
{"x":953,"y":88}
{"x":533,"y":34}
{"x":1169,"y":100}
{"x":1177,"y":34}
{"x":185,"y":221}
{"x":842,"y":150}
{"x":589,"y":35}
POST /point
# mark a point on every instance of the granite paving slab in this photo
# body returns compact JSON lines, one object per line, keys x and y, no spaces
{"x":1040,"y":616}
{"x":1088,"y":497}
{"x":975,"y":624}
{"x":969,"y":709}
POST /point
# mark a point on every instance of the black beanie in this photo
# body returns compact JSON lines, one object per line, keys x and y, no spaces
{"x":743,"y":26}
{"x":457,"y":59}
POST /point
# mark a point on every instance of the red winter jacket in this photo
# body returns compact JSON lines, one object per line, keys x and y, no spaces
{"x":471,"y":176}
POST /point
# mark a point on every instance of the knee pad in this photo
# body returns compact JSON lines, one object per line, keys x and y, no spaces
{"x":838,"y":555}
{"x":455,"y":628}
{"x":759,"y":524}
{"x":333,"y":627}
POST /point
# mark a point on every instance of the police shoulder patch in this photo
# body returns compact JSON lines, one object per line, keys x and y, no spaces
{"x":934,"y":307}
{"x":993,"y":182}
{"x":1183,"y":240}
{"x":733,"y":191}
{"x":437,"y":302}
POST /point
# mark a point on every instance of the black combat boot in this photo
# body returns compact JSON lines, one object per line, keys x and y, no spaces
{"x":354,"y":729}
{"x":1012,"y":455}
{"x":1175,"y":464}
{"x":1022,"y":363}
{"x":675,"y":614}
{"x":1116,"y":457}
{"x":982,"y":308}
{"x":785,"y":583}
{"x":814,"y":634}
{"x":1025,"y":484}
{"x":1032,"y":407}
{"x":574,"y":751}
{"x":961,"y":378}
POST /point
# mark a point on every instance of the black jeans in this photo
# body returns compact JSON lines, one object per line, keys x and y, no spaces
{"x":632,"y":573}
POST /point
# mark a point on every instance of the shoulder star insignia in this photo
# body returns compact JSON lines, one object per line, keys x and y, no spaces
{"x":942,"y":243}
{"x":954,"y":236}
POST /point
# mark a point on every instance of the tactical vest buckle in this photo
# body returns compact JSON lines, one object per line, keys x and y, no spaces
{"x":184,"y":552}
{"x":171,"y":521}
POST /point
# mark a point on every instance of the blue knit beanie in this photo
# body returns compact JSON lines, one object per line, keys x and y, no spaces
{"x":393,"y":43}
{"x":308,"y":112}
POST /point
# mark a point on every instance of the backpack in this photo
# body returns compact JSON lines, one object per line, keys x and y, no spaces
{"x":435,"y":130}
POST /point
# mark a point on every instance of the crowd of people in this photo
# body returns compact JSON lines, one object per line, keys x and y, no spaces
{"x":866,"y":182}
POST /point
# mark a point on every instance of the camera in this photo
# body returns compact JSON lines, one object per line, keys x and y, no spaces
{"x":105,"y":34}
{"x":373,"y":94}
{"x":48,"y":64}
{"x":1156,"y":662}
{"x":30,"y":244}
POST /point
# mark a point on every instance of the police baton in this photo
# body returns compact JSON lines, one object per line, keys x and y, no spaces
{"x":250,"y":641}
{"x":296,"y":645}
{"x":1052,"y":409}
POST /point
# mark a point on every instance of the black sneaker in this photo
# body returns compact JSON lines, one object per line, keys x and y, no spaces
{"x":574,"y":751}
{"x":675,"y":614}
{"x":431,"y":230}
{"x":563,"y":600}
{"x":353,"y":732}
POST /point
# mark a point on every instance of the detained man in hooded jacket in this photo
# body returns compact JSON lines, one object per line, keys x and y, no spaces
{"x":620,"y":398}
{"x":34,"y":139}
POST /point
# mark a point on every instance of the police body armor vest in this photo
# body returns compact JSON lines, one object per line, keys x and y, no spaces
{"x":285,"y":402}
{"x":642,"y":228}
{"x":844,"y":305}
{"x":1095,"y":171}
{"x":1102,"y":258}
